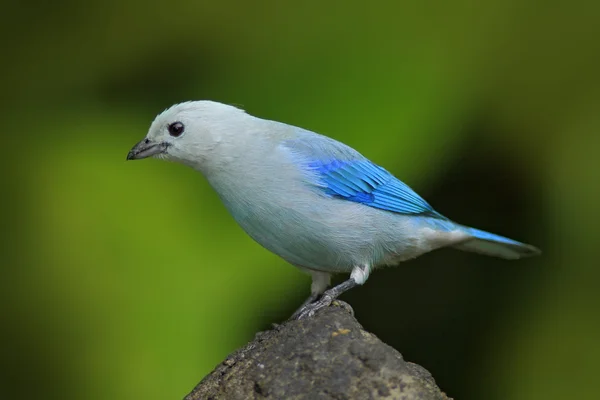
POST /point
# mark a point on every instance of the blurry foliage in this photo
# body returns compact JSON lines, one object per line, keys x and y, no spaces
{"x":129,"y":280}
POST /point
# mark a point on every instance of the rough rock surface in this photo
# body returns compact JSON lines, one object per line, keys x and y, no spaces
{"x":329,"y":356}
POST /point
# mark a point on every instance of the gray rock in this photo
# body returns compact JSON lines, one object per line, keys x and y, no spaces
{"x":329,"y":356}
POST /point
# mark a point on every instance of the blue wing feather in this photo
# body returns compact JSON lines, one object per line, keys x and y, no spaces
{"x":364,"y":182}
{"x":346,"y":174}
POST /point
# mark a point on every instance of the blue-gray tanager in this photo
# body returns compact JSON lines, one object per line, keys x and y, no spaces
{"x":314,"y":201}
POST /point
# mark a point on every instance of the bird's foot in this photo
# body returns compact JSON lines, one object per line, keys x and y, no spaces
{"x":309,"y":310}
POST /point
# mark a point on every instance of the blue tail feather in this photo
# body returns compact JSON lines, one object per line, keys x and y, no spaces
{"x":495,"y":245}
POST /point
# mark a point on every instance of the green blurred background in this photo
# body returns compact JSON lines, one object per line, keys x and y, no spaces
{"x":130,"y":280}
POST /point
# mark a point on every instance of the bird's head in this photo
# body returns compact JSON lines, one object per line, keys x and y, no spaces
{"x":189,"y":132}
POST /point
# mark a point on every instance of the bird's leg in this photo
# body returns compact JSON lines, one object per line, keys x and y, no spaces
{"x":320,"y":282}
{"x":309,"y":309}
{"x":313,"y":297}
{"x":358,"y":276}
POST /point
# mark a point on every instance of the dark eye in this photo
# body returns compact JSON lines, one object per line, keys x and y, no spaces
{"x":176,"y":129}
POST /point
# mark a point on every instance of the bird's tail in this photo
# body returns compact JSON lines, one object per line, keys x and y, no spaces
{"x":495,"y":245}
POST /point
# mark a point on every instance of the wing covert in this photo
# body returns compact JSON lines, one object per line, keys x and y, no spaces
{"x":364,"y":182}
{"x":344,"y":173}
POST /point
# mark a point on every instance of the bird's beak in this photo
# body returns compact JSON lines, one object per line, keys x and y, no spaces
{"x":146,"y":148}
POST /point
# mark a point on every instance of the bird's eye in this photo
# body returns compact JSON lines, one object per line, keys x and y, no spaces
{"x":176,"y":129}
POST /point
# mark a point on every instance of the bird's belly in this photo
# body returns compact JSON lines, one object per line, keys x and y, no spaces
{"x":330,"y":235}
{"x":302,"y":243}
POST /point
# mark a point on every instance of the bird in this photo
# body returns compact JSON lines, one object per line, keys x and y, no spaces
{"x":312,"y":200}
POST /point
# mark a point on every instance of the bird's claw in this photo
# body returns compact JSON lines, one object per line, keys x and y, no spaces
{"x":310,"y":309}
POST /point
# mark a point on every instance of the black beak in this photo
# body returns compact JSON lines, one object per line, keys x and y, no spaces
{"x":146,"y":148}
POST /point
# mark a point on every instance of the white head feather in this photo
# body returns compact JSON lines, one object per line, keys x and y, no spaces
{"x":211,"y":132}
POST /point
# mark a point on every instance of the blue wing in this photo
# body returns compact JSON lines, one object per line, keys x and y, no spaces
{"x":364,"y":182}
{"x":346,"y":174}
